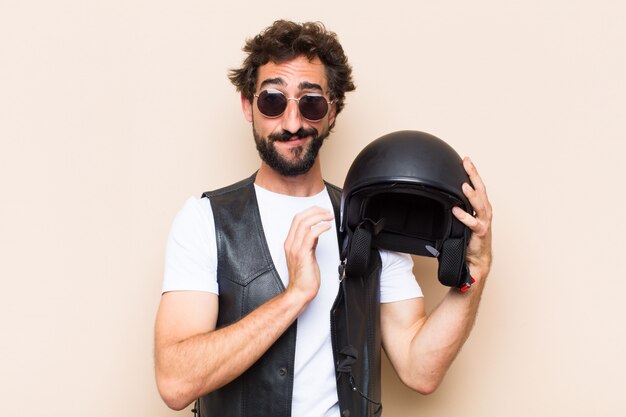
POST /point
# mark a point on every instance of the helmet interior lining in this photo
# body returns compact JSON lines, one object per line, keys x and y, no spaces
{"x":408,"y":214}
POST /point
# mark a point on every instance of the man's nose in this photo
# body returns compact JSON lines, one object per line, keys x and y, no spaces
{"x":292,"y":120}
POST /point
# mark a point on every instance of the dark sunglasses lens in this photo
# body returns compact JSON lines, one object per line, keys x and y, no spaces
{"x":313,"y":107}
{"x":271,"y":103}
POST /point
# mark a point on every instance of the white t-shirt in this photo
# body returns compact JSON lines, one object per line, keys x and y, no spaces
{"x":191,"y":262}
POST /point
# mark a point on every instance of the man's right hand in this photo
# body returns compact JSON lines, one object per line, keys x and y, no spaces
{"x":304,"y":273}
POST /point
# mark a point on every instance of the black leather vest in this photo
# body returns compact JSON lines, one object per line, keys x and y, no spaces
{"x":247,"y":278}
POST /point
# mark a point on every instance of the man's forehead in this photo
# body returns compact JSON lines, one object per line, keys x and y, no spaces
{"x":299,"y":72}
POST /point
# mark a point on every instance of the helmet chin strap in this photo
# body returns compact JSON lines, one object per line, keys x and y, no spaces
{"x":359,"y":243}
{"x":355,"y":256}
{"x":453,"y":270}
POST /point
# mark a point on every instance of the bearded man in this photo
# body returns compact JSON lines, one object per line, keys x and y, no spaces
{"x":244,"y":325}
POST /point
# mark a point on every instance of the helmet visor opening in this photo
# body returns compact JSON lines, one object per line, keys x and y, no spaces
{"x":408,"y":214}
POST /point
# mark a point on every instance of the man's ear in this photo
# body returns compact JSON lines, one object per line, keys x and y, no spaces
{"x":246,"y":106}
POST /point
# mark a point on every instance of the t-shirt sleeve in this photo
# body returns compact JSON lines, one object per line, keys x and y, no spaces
{"x":397,"y":281}
{"x":191,"y":253}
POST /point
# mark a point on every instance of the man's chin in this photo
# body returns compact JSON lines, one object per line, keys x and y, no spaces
{"x":290,"y":158}
{"x":297,"y":161}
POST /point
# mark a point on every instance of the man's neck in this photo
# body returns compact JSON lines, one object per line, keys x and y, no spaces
{"x":305,"y":185}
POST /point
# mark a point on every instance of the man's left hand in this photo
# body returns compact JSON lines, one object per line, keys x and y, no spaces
{"x":479,"y":253}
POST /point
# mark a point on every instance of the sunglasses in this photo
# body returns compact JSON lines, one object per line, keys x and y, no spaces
{"x":272,"y":103}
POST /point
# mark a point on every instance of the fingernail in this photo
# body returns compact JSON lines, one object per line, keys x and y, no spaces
{"x":466,"y":187}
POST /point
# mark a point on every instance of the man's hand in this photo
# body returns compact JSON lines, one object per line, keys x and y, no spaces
{"x":304,"y":273}
{"x":479,"y":248}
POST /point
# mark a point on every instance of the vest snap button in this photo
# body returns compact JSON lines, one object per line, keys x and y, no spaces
{"x":282,"y":371}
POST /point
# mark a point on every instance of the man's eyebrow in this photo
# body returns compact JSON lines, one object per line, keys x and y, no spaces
{"x":273,"y":81}
{"x":305,"y":85}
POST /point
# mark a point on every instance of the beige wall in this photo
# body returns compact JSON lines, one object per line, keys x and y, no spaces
{"x":113,"y":112}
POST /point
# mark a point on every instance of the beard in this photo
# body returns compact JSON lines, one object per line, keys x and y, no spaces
{"x":303,"y":156}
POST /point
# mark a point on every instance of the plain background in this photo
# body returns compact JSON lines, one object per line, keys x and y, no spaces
{"x":112,"y":113}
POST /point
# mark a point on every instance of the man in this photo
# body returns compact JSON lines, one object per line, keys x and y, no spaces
{"x":233,"y":298}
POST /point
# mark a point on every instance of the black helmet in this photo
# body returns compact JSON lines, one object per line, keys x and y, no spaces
{"x":399,"y":193}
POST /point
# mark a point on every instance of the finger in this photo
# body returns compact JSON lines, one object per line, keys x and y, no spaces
{"x":311,"y":238}
{"x":303,"y":223}
{"x":302,"y":247}
{"x":465,"y":218}
{"x":478,"y":201}
{"x":478,"y":227}
{"x":309,"y":230}
{"x":474,"y":198}
{"x":299,"y":218}
{"x":478,"y":194}
{"x":472,"y":172}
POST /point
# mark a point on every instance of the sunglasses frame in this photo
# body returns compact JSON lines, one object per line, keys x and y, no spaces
{"x":296,"y":99}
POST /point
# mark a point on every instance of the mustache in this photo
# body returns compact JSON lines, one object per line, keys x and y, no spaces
{"x":286,"y":135}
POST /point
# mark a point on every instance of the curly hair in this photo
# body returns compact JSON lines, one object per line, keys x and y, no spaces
{"x":285,"y":40}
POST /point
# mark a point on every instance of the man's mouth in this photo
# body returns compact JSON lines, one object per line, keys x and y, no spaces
{"x":295,"y":138}
{"x":290,"y":137}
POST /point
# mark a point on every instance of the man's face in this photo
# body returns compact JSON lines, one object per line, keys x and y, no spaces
{"x":289,"y":143}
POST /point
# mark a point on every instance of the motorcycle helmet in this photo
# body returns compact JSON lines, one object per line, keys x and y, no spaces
{"x":398,"y":195}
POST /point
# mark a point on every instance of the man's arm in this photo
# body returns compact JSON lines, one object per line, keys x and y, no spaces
{"x":421,"y":348}
{"x":192,"y":358}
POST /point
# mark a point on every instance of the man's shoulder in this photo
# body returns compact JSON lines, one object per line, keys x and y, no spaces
{"x":230,"y":188}
{"x":334,"y":190}
{"x":335,"y":194}
{"x":333,"y":187}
